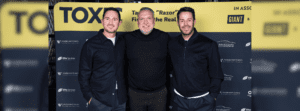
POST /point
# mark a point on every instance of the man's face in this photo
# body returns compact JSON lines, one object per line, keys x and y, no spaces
{"x":186,"y":23}
{"x":146,"y":21}
{"x":111,"y":21}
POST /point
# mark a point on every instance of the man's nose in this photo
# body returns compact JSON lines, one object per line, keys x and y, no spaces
{"x":111,"y":21}
{"x":185,"y":23}
{"x":146,"y":21}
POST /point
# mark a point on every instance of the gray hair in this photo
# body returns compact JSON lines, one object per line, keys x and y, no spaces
{"x":147,"y":8}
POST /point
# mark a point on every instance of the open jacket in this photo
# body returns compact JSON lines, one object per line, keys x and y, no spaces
{"x":196,"y":65}
{"x":101,"y":65}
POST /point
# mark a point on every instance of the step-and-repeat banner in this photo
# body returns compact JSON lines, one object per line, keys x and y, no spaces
{"x":229,"y":24}
{"x":24,"y":43}
{"x":275,"y":56}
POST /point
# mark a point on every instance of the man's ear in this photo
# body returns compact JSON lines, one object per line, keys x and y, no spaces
{"x":120,"y":22}
{"x":153,"y":21}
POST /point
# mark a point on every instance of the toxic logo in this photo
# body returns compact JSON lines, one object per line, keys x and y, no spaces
{"x":85,"y":14}
{"x":19,"y":14}
{"x":24,"y":25}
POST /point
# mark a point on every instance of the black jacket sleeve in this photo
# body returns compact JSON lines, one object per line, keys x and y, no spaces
{"x":85,"y":71}
{"x":215,"y":70}
{"x":168,"y":59}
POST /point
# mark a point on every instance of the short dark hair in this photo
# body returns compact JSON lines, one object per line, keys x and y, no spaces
{"x":147,"y":8}
{"x":186,"y":9}
{"x":113,"y":9}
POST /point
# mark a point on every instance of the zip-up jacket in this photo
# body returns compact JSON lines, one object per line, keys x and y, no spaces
{"x":101,"y":66}
{"x":196,"y":65}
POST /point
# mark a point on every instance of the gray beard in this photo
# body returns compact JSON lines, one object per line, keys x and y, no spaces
{"x":146,"y":33}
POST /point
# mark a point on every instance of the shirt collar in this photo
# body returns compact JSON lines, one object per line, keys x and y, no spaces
{"x":193,"y":38}
{"x":103,"y":38}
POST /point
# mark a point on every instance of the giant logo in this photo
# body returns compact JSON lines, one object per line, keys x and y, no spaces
{"x":235,"y":19}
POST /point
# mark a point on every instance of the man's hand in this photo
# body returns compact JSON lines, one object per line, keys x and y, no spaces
{"x":90,"y":101}
{"x":215,"y":99}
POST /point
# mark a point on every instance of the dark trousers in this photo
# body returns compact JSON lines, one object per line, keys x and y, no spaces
{"x":206,"y":103}
{"x":96,"y":105}
{"x":147,"y":101}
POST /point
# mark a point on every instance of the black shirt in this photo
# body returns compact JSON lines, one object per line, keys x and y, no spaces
{"x":146,"y":60}
{"x":196,"y":65}
{"x":101,"y":65}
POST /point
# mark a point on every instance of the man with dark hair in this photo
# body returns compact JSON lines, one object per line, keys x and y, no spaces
{"x":101,"y":67}
{"x":146,"y":49}
{"x":197,"y":75}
